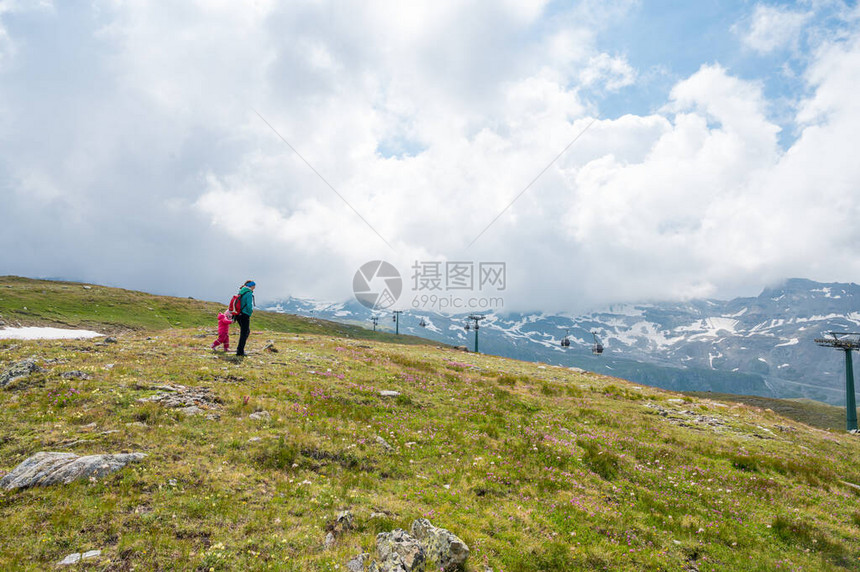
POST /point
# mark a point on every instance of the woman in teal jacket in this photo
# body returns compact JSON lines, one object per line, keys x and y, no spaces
{"x":246,"y":303}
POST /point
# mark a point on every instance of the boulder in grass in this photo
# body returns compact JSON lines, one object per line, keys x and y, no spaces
{"x":398,"y":551}
{"x":260,"y":416}
{"x":393,"y":563}
{"x":76,"y":374}
{"x":357,"y":564}
{"x":51,"y":468}
{"x":179,"y":396}
{"x":443,"y":548}
{"x":427,"y":548}
{"x":18,"y":371}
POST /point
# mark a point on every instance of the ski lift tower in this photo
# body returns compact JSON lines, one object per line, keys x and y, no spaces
{"x":476,"y":318}
{"x":847,"y":342}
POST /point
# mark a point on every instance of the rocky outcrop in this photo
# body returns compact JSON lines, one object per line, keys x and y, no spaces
{"x":75,"y":375}
{"x":51,"y":468}
{"x":18,"y":371}
{"x":427,"y":548}
{"x":398,"y":552}
{"x":181,"y":397}
{"x":357,"y":563}
{"x":443,"y":549}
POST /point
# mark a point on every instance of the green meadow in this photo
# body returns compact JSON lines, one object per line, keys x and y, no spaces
{"x":535,"y":467}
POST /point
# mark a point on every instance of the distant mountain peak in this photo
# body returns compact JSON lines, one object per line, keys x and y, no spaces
{"x":761,"y":345}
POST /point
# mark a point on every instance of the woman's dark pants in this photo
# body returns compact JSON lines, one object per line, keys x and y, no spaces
{"x":244,"y":331}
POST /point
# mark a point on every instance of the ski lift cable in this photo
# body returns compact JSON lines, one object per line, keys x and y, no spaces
{"x":527,"y":187}
{"x":323,"y":179}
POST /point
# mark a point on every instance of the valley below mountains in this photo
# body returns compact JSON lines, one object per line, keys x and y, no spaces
{"x":761,"y":345}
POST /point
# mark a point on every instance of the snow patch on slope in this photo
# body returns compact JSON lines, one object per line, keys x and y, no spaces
{"x":34,"y":333}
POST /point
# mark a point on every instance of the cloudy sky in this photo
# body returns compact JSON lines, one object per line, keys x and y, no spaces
{"x":605,"y":151}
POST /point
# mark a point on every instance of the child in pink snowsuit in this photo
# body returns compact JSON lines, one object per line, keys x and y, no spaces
{"x":224,"y":321}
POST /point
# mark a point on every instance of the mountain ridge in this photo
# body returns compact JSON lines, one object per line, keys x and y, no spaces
{"x":761,"y":344}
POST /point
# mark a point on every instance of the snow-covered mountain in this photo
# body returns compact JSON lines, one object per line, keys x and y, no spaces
{"x":762,"y":345}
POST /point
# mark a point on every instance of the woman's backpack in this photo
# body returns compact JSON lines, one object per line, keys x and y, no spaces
{"x":235,"y":306}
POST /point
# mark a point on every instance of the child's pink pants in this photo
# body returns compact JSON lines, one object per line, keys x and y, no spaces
{"x":222,"y":339}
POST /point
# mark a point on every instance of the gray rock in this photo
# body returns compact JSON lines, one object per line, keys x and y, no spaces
{"x":397,"y":548}
{"x":179,"y":396}
{"x":385,"y":445}
{"x":342,"y":523}
{"x":391,"y":563}
{"x":442,"y":548}
{"x":357,"y":564}
{"x":260,"y":416}
{"x":70,"y":559}
{"x":77,"y":557}
{"x":18,"y":371}
{"x":76,"y":374}
{"x":110,"y":340}
{"x":190,"y":410}
{"x":50,"y":468}
{"x":389,"y":393}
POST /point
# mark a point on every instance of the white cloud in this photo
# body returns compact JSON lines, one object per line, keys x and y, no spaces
{"x":774,"y":28}
{"x":135,"y":155}
{"x":612,"y":72}
{"x":8,"y":46}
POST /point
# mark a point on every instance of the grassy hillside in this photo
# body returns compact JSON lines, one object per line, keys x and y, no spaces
{"x":535,"y":467}
{"x":813,"y":413}
{"x":24,"y":301}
